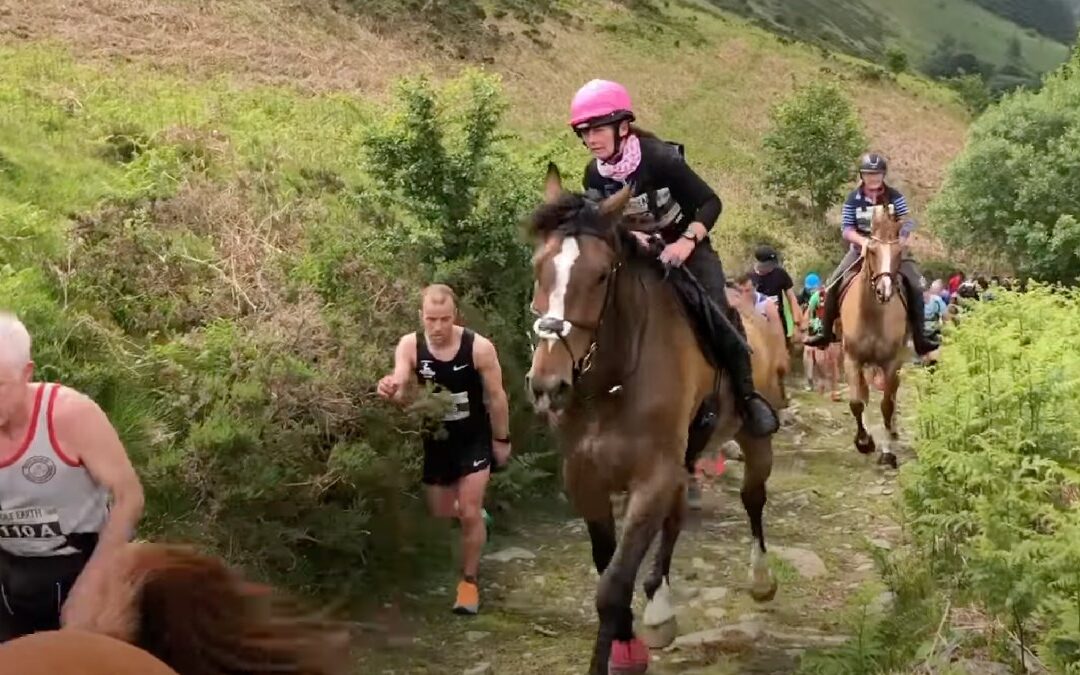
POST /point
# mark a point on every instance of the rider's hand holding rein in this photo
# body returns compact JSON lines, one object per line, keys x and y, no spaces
{"x":676,"y":253}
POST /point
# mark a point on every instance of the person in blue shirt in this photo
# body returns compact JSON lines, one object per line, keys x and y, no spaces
{"x":855,"y":229}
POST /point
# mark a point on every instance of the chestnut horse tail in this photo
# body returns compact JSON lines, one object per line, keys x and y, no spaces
{"x":202,"y":618}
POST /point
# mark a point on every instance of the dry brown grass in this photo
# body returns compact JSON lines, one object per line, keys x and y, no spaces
{"x":305,"y":45}
{"x":719,"y":92}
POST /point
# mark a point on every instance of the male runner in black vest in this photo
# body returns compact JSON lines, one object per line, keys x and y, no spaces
{"x":457,"y":465}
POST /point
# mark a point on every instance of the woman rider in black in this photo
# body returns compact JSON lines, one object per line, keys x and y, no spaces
{"x":682,"y":204}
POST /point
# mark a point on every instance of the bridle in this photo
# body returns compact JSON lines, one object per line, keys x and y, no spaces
{"x":872,"y":279}
{"x":556,"y":328}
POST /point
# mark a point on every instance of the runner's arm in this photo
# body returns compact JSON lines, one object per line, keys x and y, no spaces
{"x":397,"y":385}
{"x":84,"y":433}
{"x":487,"y":363}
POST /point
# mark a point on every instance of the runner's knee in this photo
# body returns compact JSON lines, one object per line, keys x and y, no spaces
{"x":470,"y":512}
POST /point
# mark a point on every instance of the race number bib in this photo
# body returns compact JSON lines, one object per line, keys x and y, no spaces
{"x":460,"y":409}
{"x":31,"y":531}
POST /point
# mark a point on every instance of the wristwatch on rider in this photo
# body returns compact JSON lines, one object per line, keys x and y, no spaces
{"x":688,"y":233}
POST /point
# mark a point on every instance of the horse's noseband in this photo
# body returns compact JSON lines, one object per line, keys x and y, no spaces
{"x":558,"y":328}
{"x":551,"y":328}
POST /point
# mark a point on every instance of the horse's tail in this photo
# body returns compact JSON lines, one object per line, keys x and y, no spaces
{"x":199,"y":616}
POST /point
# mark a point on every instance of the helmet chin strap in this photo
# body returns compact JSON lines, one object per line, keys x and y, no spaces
{"x":617,"y":152}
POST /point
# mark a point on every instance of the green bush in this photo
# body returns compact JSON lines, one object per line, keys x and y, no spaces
{"x":995,"y":495}
{"x":973,"y":91}
{"x":812,"y":144}
{"x":896,"y":60}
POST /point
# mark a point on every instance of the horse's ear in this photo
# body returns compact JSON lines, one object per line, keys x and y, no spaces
{"x":553,"y":188}
{"x":613,"y":207}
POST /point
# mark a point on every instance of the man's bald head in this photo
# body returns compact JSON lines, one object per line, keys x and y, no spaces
{"x":440,"y":295}
{"x":16,"y":369}
{"x":438,"y":310}
{"x":14,"y":342}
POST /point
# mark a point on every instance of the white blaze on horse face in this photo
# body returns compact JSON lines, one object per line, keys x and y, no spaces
{"x":564,"y":261}
{"x":886,"y":268}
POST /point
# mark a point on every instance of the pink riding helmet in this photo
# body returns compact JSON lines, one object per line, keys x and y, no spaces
{"x":600,"y":102}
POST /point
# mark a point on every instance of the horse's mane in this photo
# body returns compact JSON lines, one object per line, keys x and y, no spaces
{"x":574,"y":214}
{"x":200,"y":617}
{"x":884,"y":224}
{"x":571,"y":214}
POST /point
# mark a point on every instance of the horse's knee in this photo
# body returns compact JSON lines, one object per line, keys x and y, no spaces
{"x":613,"y":594}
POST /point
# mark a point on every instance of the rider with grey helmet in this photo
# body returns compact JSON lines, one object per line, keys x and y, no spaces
{"x":855,"y":229}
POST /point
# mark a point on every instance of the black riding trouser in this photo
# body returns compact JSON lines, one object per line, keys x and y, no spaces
{"x":706,"y":267}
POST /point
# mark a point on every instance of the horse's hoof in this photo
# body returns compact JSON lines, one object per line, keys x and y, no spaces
{"x":888,"y":459}
{"x":660,"y":635}
{"x":764,"y":592}
{"x":865,"y":446}
{"x":628,"y":657}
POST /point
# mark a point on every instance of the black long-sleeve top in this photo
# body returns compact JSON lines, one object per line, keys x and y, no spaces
{"x":665,"y":185}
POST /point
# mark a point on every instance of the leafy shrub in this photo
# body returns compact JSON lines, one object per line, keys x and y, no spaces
{"x":231,"y":291}
{"x":896,"y":60}
{"x":1012,"y":190}
{"x":995,"y":494}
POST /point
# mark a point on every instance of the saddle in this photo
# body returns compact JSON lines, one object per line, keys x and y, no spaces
{"x":848,"y":280}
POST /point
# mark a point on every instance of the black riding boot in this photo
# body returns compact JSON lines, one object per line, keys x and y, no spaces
{"x":917,"y":318}
{"x":832,"y":308}
{"x":759,"y":419}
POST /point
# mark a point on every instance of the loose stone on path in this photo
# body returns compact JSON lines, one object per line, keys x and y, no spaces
{"x":511,"y":554}
{"x":807,"y":563}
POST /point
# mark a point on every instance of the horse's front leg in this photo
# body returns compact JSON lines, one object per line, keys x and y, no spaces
{"x":888,"y":413}
{"x":659,"y":618}
{"x":858,"y":396}
{"x":618,"y":651}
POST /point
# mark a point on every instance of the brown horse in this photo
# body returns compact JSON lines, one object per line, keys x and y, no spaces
{"x":618,"y":360}
{"x":170,"y":610}
{"x":76,"y":652}
{"x":875,"y":329}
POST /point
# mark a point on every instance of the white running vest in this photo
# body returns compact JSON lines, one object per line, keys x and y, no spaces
{"x":43,"y":495}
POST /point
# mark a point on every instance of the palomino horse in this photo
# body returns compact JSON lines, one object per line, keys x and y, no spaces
{"x":874,"y":329}
{"x":169,"y":610}
{"x":769,"y":360}
{"x":618,"y":361}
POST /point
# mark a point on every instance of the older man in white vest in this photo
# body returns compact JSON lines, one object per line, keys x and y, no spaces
{"x":69,"y":497}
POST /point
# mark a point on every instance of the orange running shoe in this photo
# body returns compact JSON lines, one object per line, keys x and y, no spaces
{"x":468,"y":598}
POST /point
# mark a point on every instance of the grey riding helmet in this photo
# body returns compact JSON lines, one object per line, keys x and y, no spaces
{"x":872,"y":162}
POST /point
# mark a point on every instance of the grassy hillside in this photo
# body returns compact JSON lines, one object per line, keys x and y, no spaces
{"x":868,"y":27}
{"x":192,"y":226}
